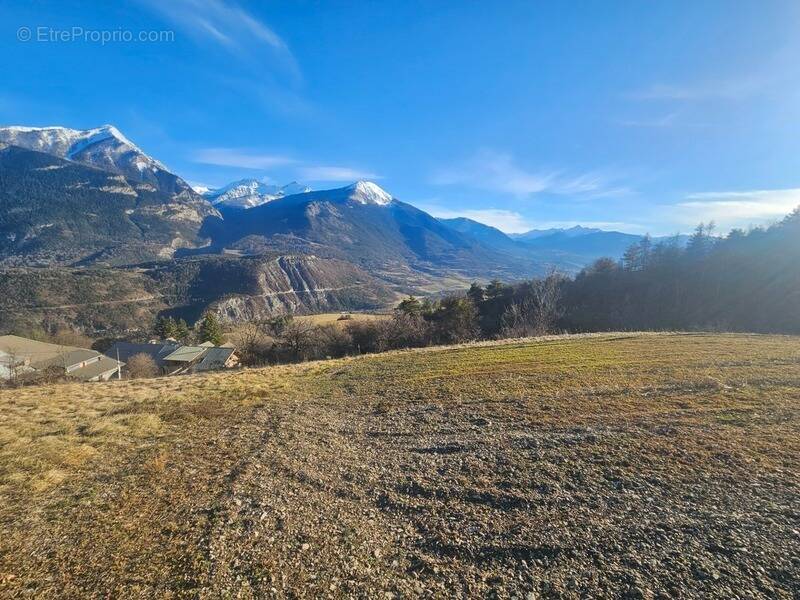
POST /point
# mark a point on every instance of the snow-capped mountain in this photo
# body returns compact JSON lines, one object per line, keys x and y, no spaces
{"x":104,"y":148}
{"x":366,"y":192}
{"x":249,"y":193}
{"x":365,"y":225}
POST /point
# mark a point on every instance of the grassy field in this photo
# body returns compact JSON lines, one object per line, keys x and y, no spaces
{"x":334,"y":318}
{"x":632,"y":465}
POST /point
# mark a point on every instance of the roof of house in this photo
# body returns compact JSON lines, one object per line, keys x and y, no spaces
{"x":40,"y":355}
{"x":69,"y":357}
{"x":156,"y":351}
{"x":33,"y":350}
{"x":94,"y":369}
{"x":214,"y":358}
{"x":186,"y":354}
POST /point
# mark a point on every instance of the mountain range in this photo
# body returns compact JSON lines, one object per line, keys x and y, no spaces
{"x":249,"y":193}
{"x":92,"y":198}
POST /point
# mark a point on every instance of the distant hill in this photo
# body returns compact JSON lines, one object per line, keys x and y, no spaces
{"x":107,"y":300}
{"x":486,"y":234}
{"x":567,"y":250}
{"x":590,"y":244}
{"x":575,"y":231}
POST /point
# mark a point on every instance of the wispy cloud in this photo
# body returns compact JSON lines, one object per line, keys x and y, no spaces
{"x":236,"y":157}
{"x":510,"y":221}
{"x":758,"y":205}
{"x":323,"y":173}
{"x":737,"y":208}
{"x":494,"y":171}
{"x":729,"y":89}
{"x":499,"y":172}
{"x":667,"y":121}
{"x":260,"y":161}
{"x":228,"y":25}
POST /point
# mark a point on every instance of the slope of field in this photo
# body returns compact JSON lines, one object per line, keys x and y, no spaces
{"x":625,"y":465}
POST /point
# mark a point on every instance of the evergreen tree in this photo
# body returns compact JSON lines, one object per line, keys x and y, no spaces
{"x":182,"y":331}
{"x":495,"y":289}
{"x":702,"y":241}
{"x":210,"y":330}
{"x":476,"y":294}
{"x":645,"y":251}
{"x":166,"y":328}
{"x":632,"y":257}
{"x":410,"y":306}
{"x":455,"y":320}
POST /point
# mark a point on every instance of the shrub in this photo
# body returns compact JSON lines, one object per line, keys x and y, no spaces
{"x":332,"y":341}
{"x":455,"y":320}
{"x":406,"y":330}
{"x":367,"y":336}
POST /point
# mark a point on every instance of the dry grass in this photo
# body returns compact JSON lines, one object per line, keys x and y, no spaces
{"x":336,"y":318}
{"x":563,"y":467}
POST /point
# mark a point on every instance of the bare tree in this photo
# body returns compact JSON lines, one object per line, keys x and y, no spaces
{"x":538,"y":311}
{"x":142,"y":365}
{"x":253,"y":341}
{"x":297,"y":338}
{"x":15,"y":364}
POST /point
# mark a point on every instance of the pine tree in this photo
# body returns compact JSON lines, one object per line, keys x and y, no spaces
{"x":410,"y":306}
{"x":182,"y":332}
{"x":166,"y":328}
{"x":632,"y":258}
{"x":476,"y":294}
{"x":210,"y":330}
{"x":495,"y":289}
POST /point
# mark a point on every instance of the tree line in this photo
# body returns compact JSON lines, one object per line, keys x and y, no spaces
{"x":745,"y":281}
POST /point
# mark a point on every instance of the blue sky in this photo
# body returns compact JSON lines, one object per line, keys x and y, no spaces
{"x":637,"y":116}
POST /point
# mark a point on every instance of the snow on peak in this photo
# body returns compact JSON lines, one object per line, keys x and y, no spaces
{"x":96,"y":146}
{"x":249,"y":193}
{"x":295,"y":188}
{"x":366,"y":192}
{"x":199,"y":188}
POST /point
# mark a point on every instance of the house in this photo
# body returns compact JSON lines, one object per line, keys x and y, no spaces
{"x":205,"y":357}
{"x":173,"y":359}
{"x":157,"y":351}
{"x":20,"y":355}
{"x":216,"y":358}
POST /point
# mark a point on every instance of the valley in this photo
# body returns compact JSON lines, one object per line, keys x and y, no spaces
{"x":90,"y":223}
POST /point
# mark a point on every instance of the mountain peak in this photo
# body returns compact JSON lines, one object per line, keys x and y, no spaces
{"x":103,"y":147}
{"x":111,"y":131}
{"x":367,"y":192}
{"x":249,"y":193}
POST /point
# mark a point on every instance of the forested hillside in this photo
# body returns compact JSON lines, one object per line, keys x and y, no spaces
{"x":743,"y":282}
